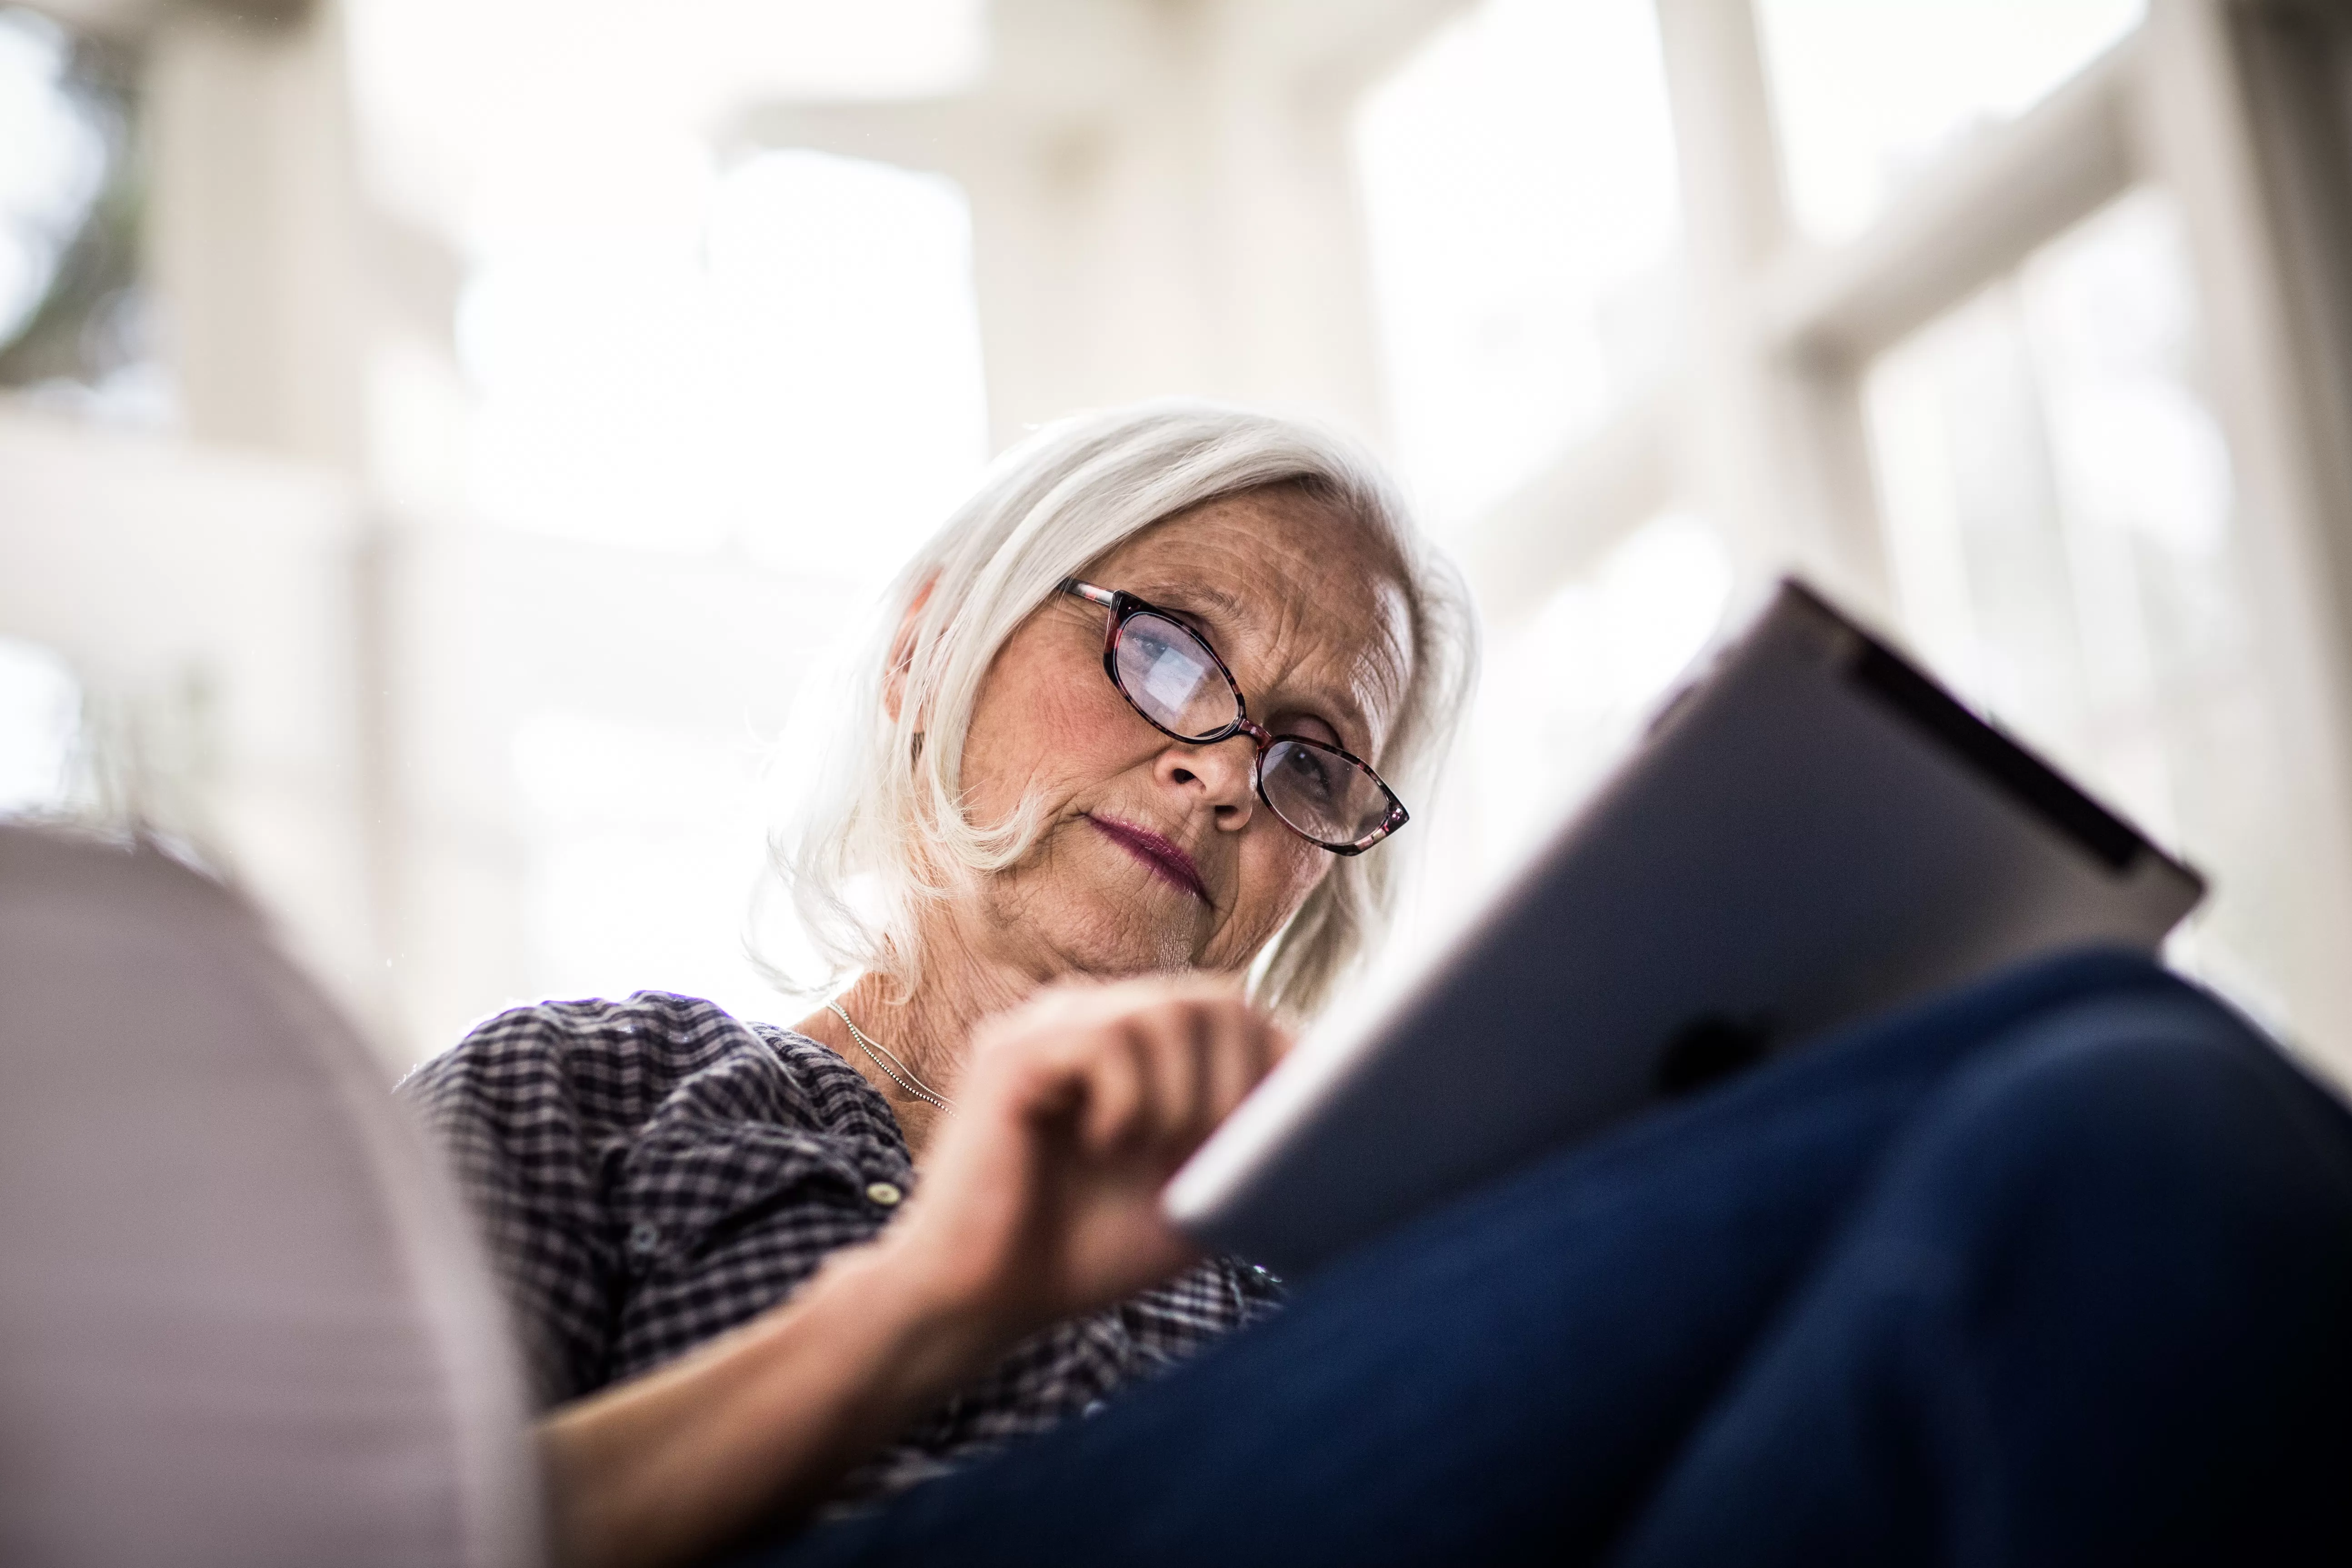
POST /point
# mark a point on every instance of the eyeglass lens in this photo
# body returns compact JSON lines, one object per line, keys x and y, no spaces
{"x":1172,"y":674}
{"x":1320,"y":792}
{"x":1169,"y":675}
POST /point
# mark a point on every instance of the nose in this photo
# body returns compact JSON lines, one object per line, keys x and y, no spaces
{"x":1222,"y":776}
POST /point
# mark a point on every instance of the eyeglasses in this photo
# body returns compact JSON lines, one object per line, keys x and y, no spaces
{"x":1170,"y":674}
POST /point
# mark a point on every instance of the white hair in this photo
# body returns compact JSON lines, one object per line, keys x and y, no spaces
{"x":881,"y":829}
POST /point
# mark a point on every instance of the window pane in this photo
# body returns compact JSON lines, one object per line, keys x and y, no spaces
{"x":2060,"y":511}
{"x":54,"y":159}
{"x":792,"y":361}
{"x":1562,"y":695}
{"x":643,"y":838}
{"x":1519,"y":193}
{"x":1869,"y":92}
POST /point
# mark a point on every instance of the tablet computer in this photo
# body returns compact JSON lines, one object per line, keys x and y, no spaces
{"x":1812,"y":830}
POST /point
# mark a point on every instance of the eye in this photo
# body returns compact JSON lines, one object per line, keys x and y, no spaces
{"x":1316,"y":772}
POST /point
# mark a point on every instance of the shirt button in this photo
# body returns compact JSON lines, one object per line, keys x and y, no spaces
{"x":886,"y":1193}
{"x":643,"y":1237}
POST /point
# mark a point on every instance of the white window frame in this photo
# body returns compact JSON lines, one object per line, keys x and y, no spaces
{"x":1764,"y":430}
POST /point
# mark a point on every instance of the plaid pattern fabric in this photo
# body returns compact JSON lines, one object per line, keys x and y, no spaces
{"x":650,"y":1172}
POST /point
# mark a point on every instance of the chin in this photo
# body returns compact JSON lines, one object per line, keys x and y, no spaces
{"x":1092,"y":908}
{"x":1114,"y":932}
{"x":1119,"y":944}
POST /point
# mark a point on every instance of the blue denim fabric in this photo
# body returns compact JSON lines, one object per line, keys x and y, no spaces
{"x":2057,"y":1268}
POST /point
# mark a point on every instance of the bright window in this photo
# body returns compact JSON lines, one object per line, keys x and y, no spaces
{"x":1567,"y":690}
{"x":644,"y":839}
{"x":52,"y":157}
{"x":40,"y":728}
{"x":1869,"y":92}
{"x":1519,"y":195}
{"x":1564,"y":696}
{"x":2061,"y":510}
{"x":780,"y":365}
{"x":789,"y":362}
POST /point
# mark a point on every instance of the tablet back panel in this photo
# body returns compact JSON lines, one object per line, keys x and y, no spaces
{"x":1811,"y":831}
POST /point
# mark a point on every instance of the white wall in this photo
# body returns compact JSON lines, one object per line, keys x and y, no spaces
{"x":210,"y":603}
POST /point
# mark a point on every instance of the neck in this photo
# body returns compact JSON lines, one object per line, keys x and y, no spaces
{"x":927,"y":1031}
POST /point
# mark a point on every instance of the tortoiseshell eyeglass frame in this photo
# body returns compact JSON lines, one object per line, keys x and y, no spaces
{"x":1125,"y":606}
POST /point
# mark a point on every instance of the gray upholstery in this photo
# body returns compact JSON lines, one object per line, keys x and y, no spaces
{"x":242,"y":1320}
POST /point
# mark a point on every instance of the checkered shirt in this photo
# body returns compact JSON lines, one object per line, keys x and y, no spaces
{"x":650,"y":1172}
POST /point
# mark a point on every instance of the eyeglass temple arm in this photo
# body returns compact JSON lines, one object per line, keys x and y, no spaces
{"x":1089,"y":592}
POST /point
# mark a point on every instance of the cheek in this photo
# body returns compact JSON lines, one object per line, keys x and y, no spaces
{"x":1038,"y":731}
{"x":1279,"y":869}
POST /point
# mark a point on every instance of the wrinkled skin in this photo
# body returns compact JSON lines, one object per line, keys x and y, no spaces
{"x":1310,"y":621}
{"x":1081,"y":1009}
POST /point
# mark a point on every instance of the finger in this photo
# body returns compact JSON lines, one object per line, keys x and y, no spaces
{"x":1218,"y":1022}
{"x":1180,"y":1035}
{"x":1179,"y":1030}
{"x":1117,"y":1088}
{"x":1098,"y":999}
{"x":1239,"y":1058}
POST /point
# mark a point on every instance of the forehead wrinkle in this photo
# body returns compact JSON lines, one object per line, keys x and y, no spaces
{"x":1283,"y":634}
{"x":1228,"y":612}
{"x":1270,"y":659}
{"x":1367,"y":679}
{"x":1382,"y":671}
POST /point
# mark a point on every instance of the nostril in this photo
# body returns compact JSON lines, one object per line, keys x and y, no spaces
{"x":1184,"y":775}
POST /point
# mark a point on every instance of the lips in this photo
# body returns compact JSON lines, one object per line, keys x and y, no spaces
{"x":1161,"y":857}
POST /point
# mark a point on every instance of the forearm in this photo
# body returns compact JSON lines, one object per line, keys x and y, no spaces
{"x":760,"y":1422}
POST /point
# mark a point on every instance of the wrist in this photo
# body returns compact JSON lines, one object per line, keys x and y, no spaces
{"x":759,"y":1422}
{"x":929,"y":1336}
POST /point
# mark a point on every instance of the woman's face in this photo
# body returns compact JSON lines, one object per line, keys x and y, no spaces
{"x":1157,"y":854}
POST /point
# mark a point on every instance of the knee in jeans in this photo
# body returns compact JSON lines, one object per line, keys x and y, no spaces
{"x":2156,"y":1120}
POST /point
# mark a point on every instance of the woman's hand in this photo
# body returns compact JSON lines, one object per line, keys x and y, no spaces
{"x":1040,"y":1198}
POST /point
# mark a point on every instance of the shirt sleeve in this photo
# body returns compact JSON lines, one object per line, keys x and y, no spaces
{"x":507,"y":1110}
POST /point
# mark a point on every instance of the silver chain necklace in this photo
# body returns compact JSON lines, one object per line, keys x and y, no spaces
{"x":898,"y":1072}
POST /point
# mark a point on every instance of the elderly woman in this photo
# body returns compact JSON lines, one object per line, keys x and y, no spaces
{"x":1124,"y":723}
{"x":1141,"y":716}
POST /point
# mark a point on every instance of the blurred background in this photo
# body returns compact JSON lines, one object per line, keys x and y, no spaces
{"x":438,"y":437}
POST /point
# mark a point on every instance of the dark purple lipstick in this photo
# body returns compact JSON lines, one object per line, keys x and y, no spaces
{"x":1163,"y":856}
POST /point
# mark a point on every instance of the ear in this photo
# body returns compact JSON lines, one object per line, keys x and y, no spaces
{"x":902,"y":649}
